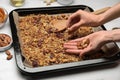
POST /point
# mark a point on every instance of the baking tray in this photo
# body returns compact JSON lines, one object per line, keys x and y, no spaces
{"x":57,"y":67}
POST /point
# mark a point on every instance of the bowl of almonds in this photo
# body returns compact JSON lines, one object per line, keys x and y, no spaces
{"x":3,"y":16}
{"x":5,"y":42}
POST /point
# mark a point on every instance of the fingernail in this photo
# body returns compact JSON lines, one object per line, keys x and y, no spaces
{"x":68,"y":29}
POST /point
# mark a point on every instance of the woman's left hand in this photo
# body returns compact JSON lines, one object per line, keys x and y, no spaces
{"x":96,"y":41}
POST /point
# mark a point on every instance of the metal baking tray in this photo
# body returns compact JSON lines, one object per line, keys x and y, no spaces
{"x":57,"y":67}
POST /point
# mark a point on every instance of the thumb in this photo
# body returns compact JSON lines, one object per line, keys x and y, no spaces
{"x":74,"y":27}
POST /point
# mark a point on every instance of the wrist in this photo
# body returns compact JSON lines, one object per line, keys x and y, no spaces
{"x":100,"y":19}
{"x":115,"y":34}
{"x":108,"y":36}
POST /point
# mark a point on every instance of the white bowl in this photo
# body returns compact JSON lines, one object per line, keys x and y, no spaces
{"x":5,"y":20}
{"x":65,"y":2}
{"x":4,"y":48}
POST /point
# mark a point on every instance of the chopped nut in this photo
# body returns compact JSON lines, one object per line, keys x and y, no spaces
{"x":8,"y":52}
{"x":9,"y":57}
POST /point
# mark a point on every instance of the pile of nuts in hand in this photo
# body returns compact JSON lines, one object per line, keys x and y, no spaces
{"x":83,"y":44}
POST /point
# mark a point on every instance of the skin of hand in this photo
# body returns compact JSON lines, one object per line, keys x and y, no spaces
{"x":97,"y":39}
{"x":83,"y":18}
{"x":96,"y":42}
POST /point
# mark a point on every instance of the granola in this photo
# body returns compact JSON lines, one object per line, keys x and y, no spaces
{"x":40,"y":45}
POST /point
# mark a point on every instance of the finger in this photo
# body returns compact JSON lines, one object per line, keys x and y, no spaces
{"x":69,"y":22}
{"x":76,"y":40}
{"x":73,"y":51}
{"x":70,"y":47}
{"x":71,"y":18}
{"x":74,"y":27}
{"x":71,"y":43}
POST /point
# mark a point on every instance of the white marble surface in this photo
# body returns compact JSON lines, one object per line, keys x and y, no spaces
{"x":9,"y":71}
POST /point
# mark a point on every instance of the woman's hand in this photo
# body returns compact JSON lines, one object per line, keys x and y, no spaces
{"x":82,"y":18}
{"x":96,"y":41}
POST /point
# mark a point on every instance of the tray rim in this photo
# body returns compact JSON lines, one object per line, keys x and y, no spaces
{"x":38,"y":69}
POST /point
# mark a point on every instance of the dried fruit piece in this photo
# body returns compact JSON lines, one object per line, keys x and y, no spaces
{"x":1,"y":18}
{"x":35,"y":63}
{"x":2,"y":11}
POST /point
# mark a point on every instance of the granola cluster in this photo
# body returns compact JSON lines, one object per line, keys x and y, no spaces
{"x":40,"y":45}
{"x":83,"y":44}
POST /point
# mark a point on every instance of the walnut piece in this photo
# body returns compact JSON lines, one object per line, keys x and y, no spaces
{"x":83,"y":44}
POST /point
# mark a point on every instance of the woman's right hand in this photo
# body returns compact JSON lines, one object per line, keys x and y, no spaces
{"x":82,"y":18}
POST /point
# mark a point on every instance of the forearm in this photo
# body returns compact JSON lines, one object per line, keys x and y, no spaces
{"x":109,"y":15}
{"x":112,"y":35}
